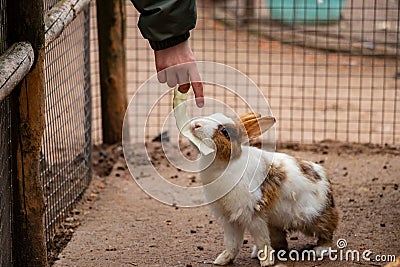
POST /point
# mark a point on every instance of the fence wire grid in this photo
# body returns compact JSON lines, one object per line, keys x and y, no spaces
{"x":6,"y":172}
{"x":6,"y":159}
{"x":66,"y":149}
{"x":333,"y":81}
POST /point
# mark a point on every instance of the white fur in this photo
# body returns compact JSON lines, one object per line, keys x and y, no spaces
{"x":300,"y":200}
{"x":209,"y":125}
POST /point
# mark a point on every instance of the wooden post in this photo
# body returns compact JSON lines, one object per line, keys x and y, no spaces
{"x":111,"y":32}
{"x":25,"y":23}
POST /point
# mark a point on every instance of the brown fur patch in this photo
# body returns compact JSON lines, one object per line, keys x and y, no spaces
{"x":252,"y":128}
{"x":308,"y":170}
{"x":250,"y":116}
{"x":331,"y":201}
{"x":227,"y":149}
{"x":270,"y":188}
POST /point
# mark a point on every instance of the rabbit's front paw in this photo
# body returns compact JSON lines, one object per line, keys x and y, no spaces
{"x":266,"y":259}
{"x":224,"y":258}
{"x":254,"y":252}
{"x":267,"y":262}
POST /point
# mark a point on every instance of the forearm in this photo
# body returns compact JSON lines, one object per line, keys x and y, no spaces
{"x":166,"y":23}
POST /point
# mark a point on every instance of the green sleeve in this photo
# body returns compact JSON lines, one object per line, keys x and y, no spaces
{"x":166,"y":22}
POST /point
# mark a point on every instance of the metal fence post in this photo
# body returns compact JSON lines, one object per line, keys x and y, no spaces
{"x":26,"y":23}
{"x":111,"y":32}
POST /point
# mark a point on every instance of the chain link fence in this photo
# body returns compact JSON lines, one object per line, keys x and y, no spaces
{"x":335,"y":81}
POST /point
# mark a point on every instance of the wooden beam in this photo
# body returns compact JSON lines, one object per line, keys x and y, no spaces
{"x":60,"y":16}
{"x":111,"y":32}
{"x":25,"y":23}
{"x":15,"y":63}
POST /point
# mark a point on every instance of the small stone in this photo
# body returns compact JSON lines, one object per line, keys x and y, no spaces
{"x":101,"y":185}
{"x":69,"y":219}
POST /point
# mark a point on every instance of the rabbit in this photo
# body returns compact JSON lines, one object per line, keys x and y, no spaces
{"x":288,"y":193}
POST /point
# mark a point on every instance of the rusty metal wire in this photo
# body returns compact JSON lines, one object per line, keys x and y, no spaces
{"x":335,"y":81}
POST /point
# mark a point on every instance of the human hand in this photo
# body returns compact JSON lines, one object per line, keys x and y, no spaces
{"x":176,"y":66}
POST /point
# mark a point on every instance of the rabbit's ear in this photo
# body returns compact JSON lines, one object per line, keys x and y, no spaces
{"x":250,"y":116}
{"x":256,"y":127}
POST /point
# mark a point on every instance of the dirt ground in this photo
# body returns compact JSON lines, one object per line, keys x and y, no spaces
{"x":119,"y":225}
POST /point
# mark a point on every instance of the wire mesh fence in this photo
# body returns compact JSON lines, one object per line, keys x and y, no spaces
{"x":6,"y":159}
{"x":66,"y":149}
{"x":3,"y":26}
{"x":5,"y":183}
{"x":327,"y":80}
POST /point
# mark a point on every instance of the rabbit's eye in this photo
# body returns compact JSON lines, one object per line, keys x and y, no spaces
{"x":224,"y":131}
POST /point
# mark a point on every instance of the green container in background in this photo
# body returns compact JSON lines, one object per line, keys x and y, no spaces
{"x":306,"y":11}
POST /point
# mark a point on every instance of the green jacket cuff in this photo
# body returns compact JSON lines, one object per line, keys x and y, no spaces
{"x":170,"y":42}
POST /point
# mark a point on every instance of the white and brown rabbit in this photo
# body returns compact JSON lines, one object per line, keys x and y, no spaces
{"x":263,"y":192}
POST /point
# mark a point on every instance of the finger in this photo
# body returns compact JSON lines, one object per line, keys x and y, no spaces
{"x":183,"y":75}
{"x":183,"y":80}
{"x":162,"y":76}
{"x":172,"y":79}
{"x":198,"y":92}
{"x":197,"y":86}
